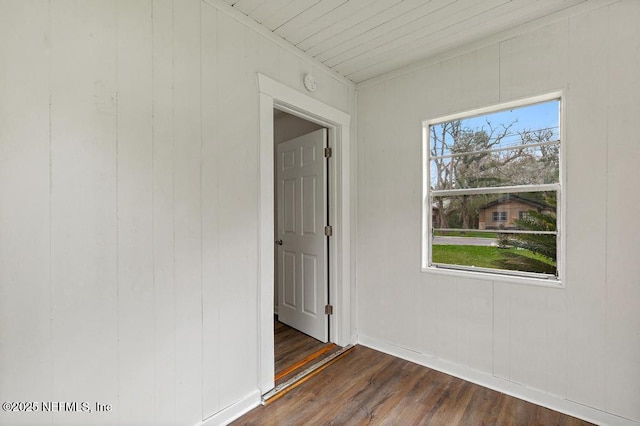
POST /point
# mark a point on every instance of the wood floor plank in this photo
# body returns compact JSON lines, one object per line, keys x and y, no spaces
{"x":369,"y":387}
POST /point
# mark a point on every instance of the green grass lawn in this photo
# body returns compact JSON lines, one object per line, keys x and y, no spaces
{"x":474,"y":234}
{"x":492,"y":257}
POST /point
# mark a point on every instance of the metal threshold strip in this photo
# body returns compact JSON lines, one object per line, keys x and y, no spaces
{"x":280,"y":390}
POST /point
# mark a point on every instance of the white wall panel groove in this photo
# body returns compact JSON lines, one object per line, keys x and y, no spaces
{"x":212,"y":321}
{"x":164,"y":389}
{"x":187,"y":208}
{"x":135,"y":210}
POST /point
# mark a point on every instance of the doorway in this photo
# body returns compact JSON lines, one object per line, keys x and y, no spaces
{"x":301,"y":246}
{"x":301,"y":255}
{"x":273,"y":94}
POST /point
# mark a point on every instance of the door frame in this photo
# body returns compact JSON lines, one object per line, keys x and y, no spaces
{"x":273,"y":94}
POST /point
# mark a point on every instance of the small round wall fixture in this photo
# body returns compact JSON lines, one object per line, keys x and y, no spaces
{"x":310,"y":83}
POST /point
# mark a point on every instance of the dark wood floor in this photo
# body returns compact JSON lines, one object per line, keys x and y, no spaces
{"x":293,"y":347}
{"x":369,"y":387}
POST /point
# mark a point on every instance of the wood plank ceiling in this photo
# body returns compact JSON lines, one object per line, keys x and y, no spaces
{"x":361,"y":39}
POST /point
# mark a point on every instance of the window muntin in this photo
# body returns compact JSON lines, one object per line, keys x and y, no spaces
{"x":492,"y":187}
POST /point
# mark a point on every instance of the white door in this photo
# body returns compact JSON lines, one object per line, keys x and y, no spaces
{"x":301,"y":242}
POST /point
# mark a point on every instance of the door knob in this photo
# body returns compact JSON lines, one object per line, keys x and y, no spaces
{"x":279,"y":242}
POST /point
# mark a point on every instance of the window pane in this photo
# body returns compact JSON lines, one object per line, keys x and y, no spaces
{"x":473,"y":231}
{"x":519,"y":146}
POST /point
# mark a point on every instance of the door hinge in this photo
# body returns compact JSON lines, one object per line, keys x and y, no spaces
{"x":328,"y":230}
{"x":327,"y":152}
{"x":328,"y":309}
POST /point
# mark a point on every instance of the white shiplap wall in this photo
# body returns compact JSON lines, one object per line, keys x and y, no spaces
{"x":128,"y":205}
{"x":557,"y":346}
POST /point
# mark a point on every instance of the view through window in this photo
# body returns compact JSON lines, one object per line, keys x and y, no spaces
{"x":493,"y":186}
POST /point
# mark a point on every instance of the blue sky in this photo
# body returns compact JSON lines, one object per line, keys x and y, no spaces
{"x":531,"y":117}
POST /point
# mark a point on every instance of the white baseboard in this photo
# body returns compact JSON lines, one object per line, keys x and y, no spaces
{"x":534,"y":396}
{"x":234,"y":411}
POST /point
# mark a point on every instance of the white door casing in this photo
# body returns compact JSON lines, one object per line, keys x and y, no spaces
{"x":301,"y":244}
{"x":273,"y":94}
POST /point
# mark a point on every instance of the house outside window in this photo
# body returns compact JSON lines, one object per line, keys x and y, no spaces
{"x":492,"y":187}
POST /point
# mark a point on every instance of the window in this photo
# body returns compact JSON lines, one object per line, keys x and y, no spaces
{"x":492,"y":190}
{"x":499,"y":216}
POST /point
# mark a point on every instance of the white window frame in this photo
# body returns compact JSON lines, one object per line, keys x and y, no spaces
{"x":427,"y":225}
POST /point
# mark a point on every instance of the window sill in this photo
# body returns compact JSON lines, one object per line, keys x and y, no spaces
{"x":488,"y":276}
